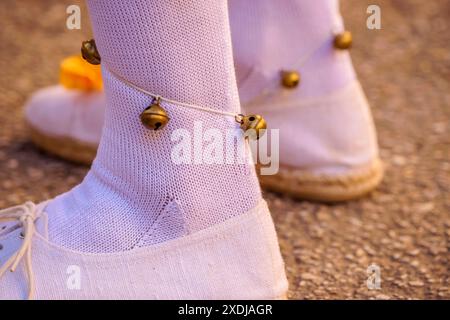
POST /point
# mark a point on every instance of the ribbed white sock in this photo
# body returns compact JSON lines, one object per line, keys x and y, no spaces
{"x":135,"y":195}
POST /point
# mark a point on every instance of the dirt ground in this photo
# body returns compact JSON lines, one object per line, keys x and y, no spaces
{"x":403,"y":227}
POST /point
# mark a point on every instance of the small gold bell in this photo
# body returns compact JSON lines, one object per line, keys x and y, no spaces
{"x":89,"y":52}
{"x":343,"y":40}
{"x":255,"y":122}
{"x":154,"y":117}
{"x":290,"y":79}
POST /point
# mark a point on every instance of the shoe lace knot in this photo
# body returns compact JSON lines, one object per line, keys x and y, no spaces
{"x":25,"y":215}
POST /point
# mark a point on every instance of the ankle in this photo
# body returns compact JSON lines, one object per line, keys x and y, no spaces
{"x":135,"y":187}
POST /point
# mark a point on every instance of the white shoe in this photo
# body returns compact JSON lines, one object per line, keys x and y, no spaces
{"x":236,"y":259}
{"x":334,"y":161}
{"x":67,"y":119}
{"x":140,"y":224}
{"x":66,"y":122}
{"x":293,"y":68}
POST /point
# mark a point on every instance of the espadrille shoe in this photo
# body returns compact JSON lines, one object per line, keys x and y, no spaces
{"x":293,"y":67}
{"x":236,"y":259}
{"x":328,"y":146}
{"x":66,"y":123}
{"x":66,"y":120}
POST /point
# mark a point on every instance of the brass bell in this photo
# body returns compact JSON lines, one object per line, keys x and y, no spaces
{"x":343,"y":40}
{"x":89,"y":52}
{"x":154,"y":117}
{"x":290,"y":79}
{"x":255,"y":122}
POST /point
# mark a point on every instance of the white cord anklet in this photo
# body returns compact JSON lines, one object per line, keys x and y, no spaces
{"x":183,"y":104}
{"x":154,"y":117}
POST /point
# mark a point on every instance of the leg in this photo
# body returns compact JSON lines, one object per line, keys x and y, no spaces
{"x":191,"y":230}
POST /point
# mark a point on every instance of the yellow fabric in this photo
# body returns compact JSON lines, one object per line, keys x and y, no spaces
{"x":76,"y":73}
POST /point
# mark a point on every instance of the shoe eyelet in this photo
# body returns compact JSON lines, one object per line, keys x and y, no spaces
{"x":22,"y":236}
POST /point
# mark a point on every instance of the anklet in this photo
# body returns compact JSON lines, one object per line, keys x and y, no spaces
{"x":291,"y":78}
{"x":154,"y":117}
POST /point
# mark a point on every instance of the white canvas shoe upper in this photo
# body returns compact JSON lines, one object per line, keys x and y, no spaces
{"x":61,"y":112}
{"x":236,"y":259}
{"x":331,"y":134}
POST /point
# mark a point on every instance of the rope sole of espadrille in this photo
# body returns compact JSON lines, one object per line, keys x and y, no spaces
{"x":64,"y":147}
{"x":304,"y":185}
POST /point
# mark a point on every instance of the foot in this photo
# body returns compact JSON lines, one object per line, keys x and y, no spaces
{"x":328,"y":145}
{"x":334,"y":161}
{"x":141,"y":225}
{"x":236,"y":259}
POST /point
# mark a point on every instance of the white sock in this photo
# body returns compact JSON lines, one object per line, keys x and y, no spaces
{"x":269,"y":36}
{"x":134,"y":194}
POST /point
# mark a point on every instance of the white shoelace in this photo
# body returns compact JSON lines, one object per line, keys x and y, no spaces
{"x":25,"y":215}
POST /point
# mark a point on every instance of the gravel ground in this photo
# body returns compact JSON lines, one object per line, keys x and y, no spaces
{"x":403,"y":227}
